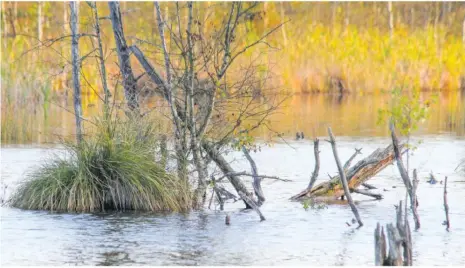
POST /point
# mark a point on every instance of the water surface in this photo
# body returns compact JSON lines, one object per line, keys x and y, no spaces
{"x":289,"y":236}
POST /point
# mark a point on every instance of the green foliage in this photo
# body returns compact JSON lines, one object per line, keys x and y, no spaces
{"x":113,"y":170}
{"x":309,"y":203}
{"x":407,"y":110}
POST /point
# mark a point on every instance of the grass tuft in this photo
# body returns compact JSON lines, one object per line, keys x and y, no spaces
{"x":112,"y":170}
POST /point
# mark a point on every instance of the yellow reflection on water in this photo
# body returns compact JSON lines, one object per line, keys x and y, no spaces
{"x":349,"y":115}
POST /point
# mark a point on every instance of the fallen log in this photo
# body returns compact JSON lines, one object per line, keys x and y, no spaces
{"x":358,"y":174}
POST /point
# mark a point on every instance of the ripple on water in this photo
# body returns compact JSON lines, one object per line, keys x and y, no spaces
{"x":290,"y":236}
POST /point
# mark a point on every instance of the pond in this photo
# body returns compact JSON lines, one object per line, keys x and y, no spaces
{"x":291,"y":235}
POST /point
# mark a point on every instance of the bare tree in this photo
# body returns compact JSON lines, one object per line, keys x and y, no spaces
{"x":74,"y":25}
{"x":196,"y":68}
{"x":129,"y":82}
{"x":101,"y":59}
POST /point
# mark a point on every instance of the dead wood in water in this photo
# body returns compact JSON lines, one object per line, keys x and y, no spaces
{"x":399,"y":240}
{"x":356,"y":175}
{"x":405,"y":177}
{"x":235,"y":180}
{"x":368,"y":186}
{"x":256,"y":179}
{"x":446,"y":205}
{"x":342,"y":175}
{"x":316,"y":152}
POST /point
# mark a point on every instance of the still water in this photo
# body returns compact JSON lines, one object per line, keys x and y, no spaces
{"x":291,"y":235}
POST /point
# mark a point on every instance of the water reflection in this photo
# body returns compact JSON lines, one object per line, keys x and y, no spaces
{"x":350,"y":115}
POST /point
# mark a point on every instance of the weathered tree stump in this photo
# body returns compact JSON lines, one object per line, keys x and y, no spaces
{"x":399,"y":240}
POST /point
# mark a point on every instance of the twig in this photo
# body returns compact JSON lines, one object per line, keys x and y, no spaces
{"x":347,"y":164}
{"x":244,"y":173}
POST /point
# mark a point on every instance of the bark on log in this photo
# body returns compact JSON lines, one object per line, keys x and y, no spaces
{"x":342,"y":175}
{"x":446,"y":205}
{"x":356,"y":175}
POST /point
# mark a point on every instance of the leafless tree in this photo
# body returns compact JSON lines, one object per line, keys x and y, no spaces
{"x":200,"y":96}
{"x":129,"y":81}
{"x":76,"y":61}
{"x":101,"y":59}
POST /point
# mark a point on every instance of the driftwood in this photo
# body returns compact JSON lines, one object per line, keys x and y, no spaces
{"x":405,"y":177}
{"x":399,"y":240}
{"x":342,"y":175}
{"x":356,"y":175}
{"x":446,"y":205}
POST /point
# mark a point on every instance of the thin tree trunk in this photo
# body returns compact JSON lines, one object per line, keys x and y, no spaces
{"x":343,"y":179}
{"x":74,"y":25}
{"x":101,"y":58}
{"x":283,"y":29}
{"x":446,"y":205}
{"x":316,"y":153}
{"x":200,"y":192}
{"x":347,"y":15}
{"x":463,"y":31}
{"x":415,"y":200}
{"x":129,"y":82}
{"x":5,"y":24}
{"x":391,"y":20}
{"x":39,"y":20}
{"x":412,"y":18}
{"x":64,"y":75}
{"x":169,"y":92}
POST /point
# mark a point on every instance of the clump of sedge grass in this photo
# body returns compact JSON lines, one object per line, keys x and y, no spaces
{"x":113,"y":170}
